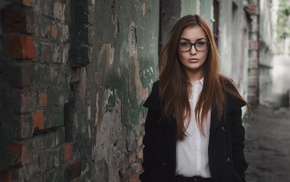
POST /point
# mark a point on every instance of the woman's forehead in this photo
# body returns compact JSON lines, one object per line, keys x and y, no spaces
{"x":193,"y":33}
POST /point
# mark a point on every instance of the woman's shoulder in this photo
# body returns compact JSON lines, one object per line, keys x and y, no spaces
{"x":153,"y":101}
{"x":228,"y":82}
{"x":229,"y":86}
{"x":233,"y":97}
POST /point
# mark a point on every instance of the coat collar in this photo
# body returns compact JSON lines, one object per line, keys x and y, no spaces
{"x":154,"y":101}
{"x":232,"y":103}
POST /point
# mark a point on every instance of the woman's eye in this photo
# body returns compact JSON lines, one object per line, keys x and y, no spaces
{"x":200,"y":43}
{"x":184,"y":44}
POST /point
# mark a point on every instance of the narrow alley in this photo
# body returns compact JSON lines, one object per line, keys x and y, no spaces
{"x":74,"y":76}
{"x":268,"y":145}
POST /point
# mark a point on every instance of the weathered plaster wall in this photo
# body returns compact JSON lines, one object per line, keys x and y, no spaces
{"x":173,"y":10}
{"x":170,"y":13}
{"x":206,"y":10}
{"x":189,"y":7}
{"x":265,"y":52}
{"x":240,"y":46}
{"x":234,"y":42}
{"x":106,"y":111}
{"x":225,"y":37}
{"x":280,"y":85}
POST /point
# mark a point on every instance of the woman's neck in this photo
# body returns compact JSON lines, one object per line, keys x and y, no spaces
{"x":194,"y":76}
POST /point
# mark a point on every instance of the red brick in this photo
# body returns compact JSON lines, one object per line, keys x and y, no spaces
{"x":26,"y":156}
{"x":42,"y":99}
{"x":38,"y":120}
{"x":52,"y":72}
{"x":20,"y":47}
{"x":15,"y":150}
{"x":54,"y":31}
{"x":68,"y":151}
{"x":21,"y":151}
{"x":255,"y":45}
{"x":27,"y":2}
{"x":252,"y":9}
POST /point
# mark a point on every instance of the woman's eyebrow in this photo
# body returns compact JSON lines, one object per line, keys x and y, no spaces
{"x":185,"y":39}
{"x":200,"y":39}
{"x":195,"y":40}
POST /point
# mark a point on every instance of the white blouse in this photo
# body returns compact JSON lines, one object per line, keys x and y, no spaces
{"x":192,"y":152}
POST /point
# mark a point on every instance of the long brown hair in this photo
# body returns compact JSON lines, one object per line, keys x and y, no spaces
{"x":174,"y":85}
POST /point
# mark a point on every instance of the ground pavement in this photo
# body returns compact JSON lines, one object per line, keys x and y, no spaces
{"x":268,"y":145}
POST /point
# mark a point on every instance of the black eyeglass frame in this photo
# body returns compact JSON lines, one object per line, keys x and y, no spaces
{"x":194,"y":45}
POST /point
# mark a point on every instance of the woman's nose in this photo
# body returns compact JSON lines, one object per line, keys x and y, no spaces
{"x":192,"y":50}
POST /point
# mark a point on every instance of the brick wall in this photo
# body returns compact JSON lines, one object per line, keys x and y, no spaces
{"x":253,"y":86}
{"x":34,"y":72}
{"x":74,"y":75}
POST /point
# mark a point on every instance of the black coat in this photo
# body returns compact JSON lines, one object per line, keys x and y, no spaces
{"x":226,"y":143}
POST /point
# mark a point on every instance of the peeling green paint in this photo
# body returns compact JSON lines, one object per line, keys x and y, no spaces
{"x":188,"y":7}
{"x":119,"y":78}
{"x":137,"y":40}
{"x":206,"y":10}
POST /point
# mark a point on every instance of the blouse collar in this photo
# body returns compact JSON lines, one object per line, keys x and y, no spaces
{"x":198,"y":81}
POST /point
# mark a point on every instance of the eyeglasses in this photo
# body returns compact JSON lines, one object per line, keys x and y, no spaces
{"x":199,"y":46}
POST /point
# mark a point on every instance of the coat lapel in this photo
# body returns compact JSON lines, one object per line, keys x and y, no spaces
{"x":215,"y":121}
{"x":231,"y":105}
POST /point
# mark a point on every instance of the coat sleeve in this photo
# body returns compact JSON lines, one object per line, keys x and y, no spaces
{"x":149,"y":141}
{"x":149,"y":146}
{"x":234,"y":111}
{"x":238,"y":138}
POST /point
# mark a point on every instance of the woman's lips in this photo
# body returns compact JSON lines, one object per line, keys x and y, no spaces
{"x":193,"y":60}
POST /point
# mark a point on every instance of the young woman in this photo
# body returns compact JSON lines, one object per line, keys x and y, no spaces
{"x":193,"y":129}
